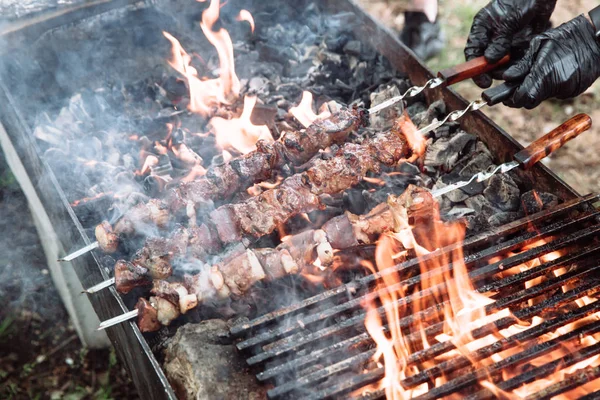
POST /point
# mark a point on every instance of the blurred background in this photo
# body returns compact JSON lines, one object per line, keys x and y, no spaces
{"x":578,"y":164}
{"x":40,"y":354}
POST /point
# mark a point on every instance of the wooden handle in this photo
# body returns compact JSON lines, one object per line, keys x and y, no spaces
{"x":554,"y":140}
{"x":470,"y":69}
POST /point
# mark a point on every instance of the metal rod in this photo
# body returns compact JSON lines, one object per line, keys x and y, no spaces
{"x":80,"y":252}
{"x":100,"y":286}
{"x":117,"y":320}
{"x":491,"y":328}
{"x":540,"y":372}
{"x":442,"y":368}
{"x":499,"y":346}
{"x":302,"y":338}
{"x":571,"y":382}
{"x":477,"y":240}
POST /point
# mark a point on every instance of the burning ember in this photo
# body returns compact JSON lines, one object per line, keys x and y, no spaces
{"x":304,"y":113}
{"x":445,"y":296}
{"x":205,"y":94}
{"x":240,"y":133}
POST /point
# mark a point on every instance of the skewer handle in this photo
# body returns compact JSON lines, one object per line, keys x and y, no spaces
{"x":499,"y":93}
{"x":470,"y":69}
{"x":554,"y":140}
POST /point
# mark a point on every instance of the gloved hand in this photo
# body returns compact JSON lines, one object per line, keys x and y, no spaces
{"x":563,"y":63}
{"x":505,"y":26}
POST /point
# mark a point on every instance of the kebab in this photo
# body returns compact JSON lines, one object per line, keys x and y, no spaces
{"x":222,"y":181}
{"x":262,"y":214}
{"x":203,"y":188}
{"x":298,"y":253}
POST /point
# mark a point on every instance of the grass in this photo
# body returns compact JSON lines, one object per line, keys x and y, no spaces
{"x":457,"y":24}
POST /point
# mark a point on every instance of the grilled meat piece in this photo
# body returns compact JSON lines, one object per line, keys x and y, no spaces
{"x":241,"y":269}
{"x":222,"y":181}
{"x":147,"y":316}
{"x":129,"y":276}
{"x":262,"y":214}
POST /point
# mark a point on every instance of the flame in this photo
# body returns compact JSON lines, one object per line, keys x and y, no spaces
{"x":304,"y":113}
{"x":205,"y":94}
{"x":240,"y":133}
{"x":230,"y":83}
{"x":460,"y":308}
{"x":245,"y":15}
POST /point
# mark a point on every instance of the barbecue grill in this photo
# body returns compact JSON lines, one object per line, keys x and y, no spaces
{"x":287,"y":344}
{"x":277,"y":344}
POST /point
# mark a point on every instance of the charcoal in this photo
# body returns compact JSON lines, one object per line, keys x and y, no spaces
{"x":444,"y":153}
{"x":459,"y":212}
{"x":533,"y":202}
{"x":476,"y":223}
{"x":455,"y":196}
{"x":202,"y":363}
{"x":446,"y":130}
{"x":482,"y":206}
{"x":503,"y":192}
{"x":437,"y":110}
{"x":481,"y":162}
{"x":353,"y":47}
{"x":385,"y":118}
{"x":415,"y":109}
{"x":503,"y":218}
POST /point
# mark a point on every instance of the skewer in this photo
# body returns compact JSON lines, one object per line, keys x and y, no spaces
{"x":100,"y":286}
{"x":80,"y":252}
{"x":117,"y":320}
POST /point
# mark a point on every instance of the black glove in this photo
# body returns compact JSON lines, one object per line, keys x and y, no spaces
{"x":505,"y":26}
{"x":563,"y":63}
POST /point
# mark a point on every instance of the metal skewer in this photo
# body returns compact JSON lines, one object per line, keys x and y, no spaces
{"x":531,"y":155}
{"x":100,"y":286}
{"x":449,"y":76}
{"x":526,"y":158}
{"x":117,"y":320}
{"x":80,"y":252}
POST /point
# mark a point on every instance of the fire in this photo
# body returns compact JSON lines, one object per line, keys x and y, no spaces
{"x":205,"y":94}
{"x":446,"y":297}
{"x":245,"y":15}
{"x":229,"y":82}
{"x":240,"y":133}
{"x":304,"y":113}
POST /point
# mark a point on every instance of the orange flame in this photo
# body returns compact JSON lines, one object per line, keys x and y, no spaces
{"x":230,"y":84}
{"x":245,"y":15}
{"x":463,"y":309}
{"x":208,"y":93}
{"x":304,"y":113}
{"x":240,"y":133}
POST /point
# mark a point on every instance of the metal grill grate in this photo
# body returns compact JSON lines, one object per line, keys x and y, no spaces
{"x":319,"y":349}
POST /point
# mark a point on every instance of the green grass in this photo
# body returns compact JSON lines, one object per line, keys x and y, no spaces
{"x":5,"y":327}
{"x":456,"y":22}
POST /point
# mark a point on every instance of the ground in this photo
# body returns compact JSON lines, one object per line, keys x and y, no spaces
{"x":40,"y":354}
{"x":578,"y":164}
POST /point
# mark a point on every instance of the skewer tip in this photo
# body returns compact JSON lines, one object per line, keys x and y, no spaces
{"x":79,"y":252}
{"x":117,"y":320}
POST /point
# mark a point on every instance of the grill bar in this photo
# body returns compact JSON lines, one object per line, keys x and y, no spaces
{"x":503,"y":302}
{"x":540,"y":372}
{"x":302,"y":338}
{"x":478,"y":240}
{"x":444,"y":347}
{"x":304,"y":321}
{"x":322,"y":350}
